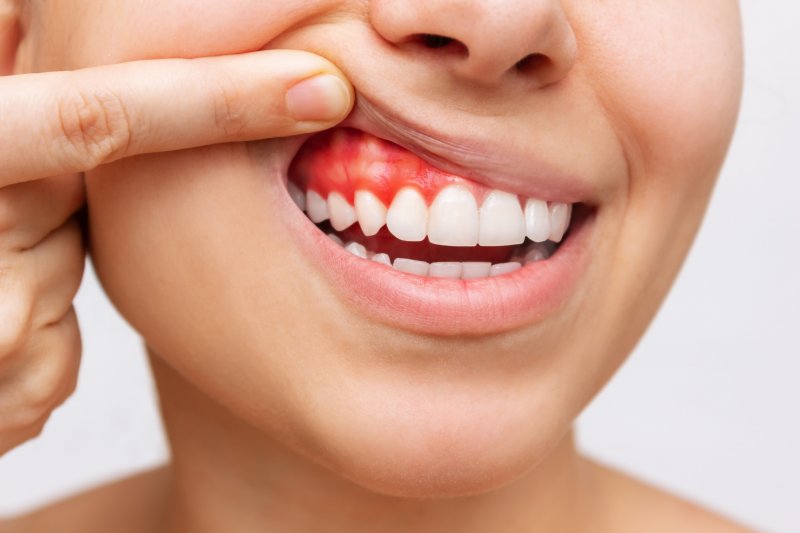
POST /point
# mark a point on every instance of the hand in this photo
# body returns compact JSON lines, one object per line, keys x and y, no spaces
{"x":54,"y":126}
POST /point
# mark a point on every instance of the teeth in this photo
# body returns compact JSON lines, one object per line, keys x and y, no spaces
{"x":356,"y":249}
{"x":297,"y":195}
{"x":341,"y":212}
{"x":503,"y":268}
{"x":407,"y":218}
{"x":559,"y":220}
{"x":502,"y":220}
{"x":412,"y":266}
{"x":383,"y":259}
{"x":537,"y":220}
{"x":475,"y":270}
{"x":335,"y":238}
{"x":316,"y":207}
{"x":445,"y":270}
{"x":448,"y":269}
{"x":370,"y":211}
{"x":453,"y":218}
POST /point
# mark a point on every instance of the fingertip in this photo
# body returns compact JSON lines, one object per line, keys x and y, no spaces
{"x":324,"y":98}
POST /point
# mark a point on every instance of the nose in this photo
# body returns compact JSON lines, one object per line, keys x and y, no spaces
{"x":483,"y":41}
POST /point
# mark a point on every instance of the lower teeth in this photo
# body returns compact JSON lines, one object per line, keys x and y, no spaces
{"x":528,"y":253}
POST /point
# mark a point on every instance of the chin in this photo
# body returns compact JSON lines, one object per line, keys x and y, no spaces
{"x":434,"y":440}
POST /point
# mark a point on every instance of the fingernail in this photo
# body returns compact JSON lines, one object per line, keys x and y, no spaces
{"x":323,"y":97}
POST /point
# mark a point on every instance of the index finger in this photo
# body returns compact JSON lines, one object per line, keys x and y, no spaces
{"x":61,"y":122}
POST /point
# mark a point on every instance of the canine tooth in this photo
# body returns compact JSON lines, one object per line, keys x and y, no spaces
{"x":503,"y":268}
{"x":537,"y":220}
{"x":407,"y":218}
{"x":471,"y":270}
{"x":341,"y":212}
{"x":316,"y":207}
{"x":370,"y":211}
{"x":559,"y":220}
{"x":356,"y":249}
{"x":445,"y":270}
{"x":335,"y":238}
{"x":412,"y":266}
{"x":383,"y":259}
{"x":453,"y":218}
{"x":297,"y":195}
{"x":502,"y":220}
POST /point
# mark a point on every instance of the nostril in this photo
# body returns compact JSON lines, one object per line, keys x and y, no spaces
{"x":531,"y":62}
{"x":436,"y":42}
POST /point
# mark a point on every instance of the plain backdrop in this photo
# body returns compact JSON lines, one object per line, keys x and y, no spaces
{"x":707,"y":406}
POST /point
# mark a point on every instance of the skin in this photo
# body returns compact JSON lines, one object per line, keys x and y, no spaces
{"x":272,"y":410}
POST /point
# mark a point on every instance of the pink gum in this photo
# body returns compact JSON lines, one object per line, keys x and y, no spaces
{"x":346,"y":160}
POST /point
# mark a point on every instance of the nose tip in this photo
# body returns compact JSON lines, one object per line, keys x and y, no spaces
{"x":483,"y":41}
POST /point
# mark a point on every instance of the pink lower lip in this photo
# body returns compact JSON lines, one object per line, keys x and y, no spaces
{"x":444,"y":306}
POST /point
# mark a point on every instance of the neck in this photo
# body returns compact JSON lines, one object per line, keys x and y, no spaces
{"x":228,"y":476}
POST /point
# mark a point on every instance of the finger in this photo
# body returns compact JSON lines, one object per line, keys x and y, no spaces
{"x":62,"y":122}
{"x":46,"y":374}
{"x":30,"y":211}
{"x":55,"y":267}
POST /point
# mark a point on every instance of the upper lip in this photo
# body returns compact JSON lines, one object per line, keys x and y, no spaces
{"x":470,"y":158}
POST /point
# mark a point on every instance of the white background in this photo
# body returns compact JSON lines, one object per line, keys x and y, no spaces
{"x":708,"y":404}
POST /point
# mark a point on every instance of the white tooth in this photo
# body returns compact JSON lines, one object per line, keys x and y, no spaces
{"x":412,"y":266}
{"x":356,"y":249}
{"x":342,"y":213}
{"x":316,"y":207}
{"x":407,"y":218}
{"x":503,"y":268}
{"x":453,"y":219}
{"x":475,"y":270}
{"x":335,"y":238}
{"x":502,"y":220}
{"x":536,"y":253}
{"x":445,"y":270}
{"x":537,"y":220}
{"x":297,"y":195}
{"x":382,"y":258}
{"x":370,"y":211}
{"x":559,"y":220}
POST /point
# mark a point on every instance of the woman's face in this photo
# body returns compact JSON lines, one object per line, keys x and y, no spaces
{"x":408,"y":385}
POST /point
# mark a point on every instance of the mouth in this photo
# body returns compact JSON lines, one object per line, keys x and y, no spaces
{"x":427,"y":250}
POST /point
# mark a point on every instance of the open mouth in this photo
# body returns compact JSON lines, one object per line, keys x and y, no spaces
{"x":422,"y":249}
{"x":384,"y":204}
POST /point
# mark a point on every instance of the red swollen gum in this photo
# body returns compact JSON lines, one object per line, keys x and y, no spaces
{"x":345,"y":160}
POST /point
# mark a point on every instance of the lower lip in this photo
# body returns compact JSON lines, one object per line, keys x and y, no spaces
{"x":446,"y":306}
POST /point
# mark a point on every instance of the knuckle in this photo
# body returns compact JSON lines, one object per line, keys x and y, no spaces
{"x":229,"y":109}
{"x":93,"y":125}
{"x":48,"y":387}
{"x":16,"y":310}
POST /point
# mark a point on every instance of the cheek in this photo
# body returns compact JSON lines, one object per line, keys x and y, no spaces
{"x":670,"y":74}
{"x":84,"y":33}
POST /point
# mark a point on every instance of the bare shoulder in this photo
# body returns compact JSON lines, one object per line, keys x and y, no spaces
{"x":129,"y":505}
{"x":633,"y":505}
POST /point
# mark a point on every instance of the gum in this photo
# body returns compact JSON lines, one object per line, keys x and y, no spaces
{"x":345,"y":160}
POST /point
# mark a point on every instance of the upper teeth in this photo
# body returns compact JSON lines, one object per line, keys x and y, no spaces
{"x":453,"y":219}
